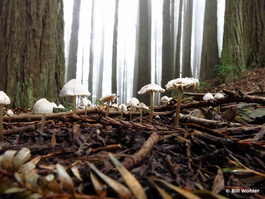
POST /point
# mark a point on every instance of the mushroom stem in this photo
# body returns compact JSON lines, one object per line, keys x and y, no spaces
{"x":131,"y":113}
{"x":151,"y":106}
{"x":141,"y":115}
{"x":85,"y":110}
{"x":1,"y":122}
{"x":176,"y":121}
{"x":43,"y":116}
{"x":74,"y":104}
{"x":107,"y":114}
{"x":121,"y":114}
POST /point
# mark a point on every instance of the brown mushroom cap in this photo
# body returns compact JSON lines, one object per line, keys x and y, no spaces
{"x":109,"y":98}
{"x":183,"y":84}
{"x":151,"y":88}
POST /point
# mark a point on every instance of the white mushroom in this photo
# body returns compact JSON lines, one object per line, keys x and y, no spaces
{"x":142,"y":106}
{"x":108,"y":98}
{"x":84,"y":104}
{"x":133,"y":103}
{"x":4,"y":100}
{"x":180,"y":85}
{"x":10,"y":113}
{"x":43,"y":106}
{"x":218,"y":96}
{"x":122,"y":108}
{"x":207,"y":96}
{"x":151,"y":88}
{"x":165,"y":99}
{"x":74,"y":88}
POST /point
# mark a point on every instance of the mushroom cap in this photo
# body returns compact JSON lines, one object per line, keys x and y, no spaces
{"x":4,"y":99}
{"x":74,"y":88}
{"x":43,"y":106}
{"x":165,"y":99}
{"x":109,"y":98}
{"x":54,"y":105}
{"x":133,"y":102}
{"x":9,"y":112}
{"x":218,"y":96}
{"x":60,"y":106}
{"x":84,"y":103}
{"x":182,"y":84}
{"x":149,"y":88}
{"x":143,"y":106}
{"x":207,"y":96}
{"x":122,"y":107}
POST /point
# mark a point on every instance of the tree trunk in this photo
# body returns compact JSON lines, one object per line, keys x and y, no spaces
{"x":167,"y":72}
{"x":144,"y":49}
{"x":114,"y":50}
{"x":72,"y":57}
{"x":244,"y":33}
{"x":31,"y":50}
{"x":209,"y":57}
{"x":186,"y":44}
{"x":178,"y":42}
{"x":91,"y":56}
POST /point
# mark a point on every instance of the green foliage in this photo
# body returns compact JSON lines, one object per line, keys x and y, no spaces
{"x":228,"y":72}
{"x":204,"y":85}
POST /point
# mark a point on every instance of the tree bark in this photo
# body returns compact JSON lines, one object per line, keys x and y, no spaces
{"x":114,"y":50}
{"x":209,"y":57}
{"x":31,"y":50}
{"x":178,"y":42}
{"x":244,"y":44}
{"x":144,"y":49}
{"x":186,"y":43}
{"x":167,"y":72}
{"x":73,"y":47}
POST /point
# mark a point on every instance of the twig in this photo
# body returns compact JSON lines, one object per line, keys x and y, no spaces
{"x":147,"y":147}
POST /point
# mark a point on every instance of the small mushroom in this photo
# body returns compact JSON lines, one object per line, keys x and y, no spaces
{"x":142,"y":106}
{"x":180,"y":85}
{"x":133,"y":103}
{"x":10,"y":113}
{"x":151,"y":89}
{"x":218,"y":96}
{"x":122,"y":108}
{"x":74,"y":88}
{"x":4,"y":100}
{"x":207,"y":96}
{"x":165,"y":99}
{"x":43,"y":106}
{"x":108,"y":98}
{"x":84,"y":104}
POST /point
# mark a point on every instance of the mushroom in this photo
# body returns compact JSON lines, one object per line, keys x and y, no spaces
{"x":180,"y":85}
{"x":218,"y":96}
{"x":10,"y":113}
{"x":60,"y":106}
{"x":142,"y":106}
{"x":165,"y":99}
{"x":43,"y":106}
{"x":108,"y":98}
{"x":133,"y":103}
{"x":151,"y":88}
{"x":84,"y":104}
{"x":4,"y":100}
{"x":122,"y":108}
{"x":74,"y":88}
{"x":207,"y":96}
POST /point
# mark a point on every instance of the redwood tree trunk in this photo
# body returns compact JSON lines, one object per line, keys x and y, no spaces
{"x":31,"y":50}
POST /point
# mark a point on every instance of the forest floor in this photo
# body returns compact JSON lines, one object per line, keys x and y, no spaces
{"x":216,"y":152}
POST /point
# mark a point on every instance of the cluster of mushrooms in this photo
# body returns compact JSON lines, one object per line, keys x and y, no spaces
{"x":75,"y":88}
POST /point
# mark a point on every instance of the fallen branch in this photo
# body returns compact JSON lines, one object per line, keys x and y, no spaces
{"x":208,"y":123}
{"x":147,"y":147}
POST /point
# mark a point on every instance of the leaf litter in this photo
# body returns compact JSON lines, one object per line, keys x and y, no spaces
{"x":209,"y":155}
